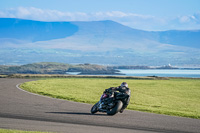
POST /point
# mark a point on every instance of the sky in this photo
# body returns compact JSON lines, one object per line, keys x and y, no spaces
{"x":150,"y":15}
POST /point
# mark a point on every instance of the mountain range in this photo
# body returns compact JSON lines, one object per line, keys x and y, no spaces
{"x":98,"y":42}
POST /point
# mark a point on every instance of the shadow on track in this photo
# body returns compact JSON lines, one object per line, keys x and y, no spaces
{"x":76,"y":113}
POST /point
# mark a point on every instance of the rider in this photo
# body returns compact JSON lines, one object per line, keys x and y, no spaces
{"x":126,"y":91}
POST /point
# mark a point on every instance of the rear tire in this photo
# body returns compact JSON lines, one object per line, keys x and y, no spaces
{"x":94,"y":109}
{"x":116,"y":109}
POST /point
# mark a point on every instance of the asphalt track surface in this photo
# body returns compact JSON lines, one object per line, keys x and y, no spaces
{"x":25,"y":111}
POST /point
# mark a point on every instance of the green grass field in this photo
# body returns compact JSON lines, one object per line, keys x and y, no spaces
{"x":178,"y":97}
{"x":18,"y":131}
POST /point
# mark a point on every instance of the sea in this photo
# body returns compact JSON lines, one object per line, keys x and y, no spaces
{"x":189,"y":73}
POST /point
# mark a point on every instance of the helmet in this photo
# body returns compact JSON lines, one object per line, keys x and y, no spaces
{"x":124,"y":84}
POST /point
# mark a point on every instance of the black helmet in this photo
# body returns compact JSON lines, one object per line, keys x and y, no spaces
{"x":124,"y":84}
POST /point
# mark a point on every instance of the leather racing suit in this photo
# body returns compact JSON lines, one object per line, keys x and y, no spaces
{"x":124,"y":90}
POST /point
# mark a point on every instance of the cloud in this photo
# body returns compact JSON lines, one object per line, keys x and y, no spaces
{"x":138,"y":21}
{"x":42,"y":14}
{"x":192,"y":18}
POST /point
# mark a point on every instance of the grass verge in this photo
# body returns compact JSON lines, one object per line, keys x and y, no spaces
{"x":18,"y":131}
{"x":178,"y":97}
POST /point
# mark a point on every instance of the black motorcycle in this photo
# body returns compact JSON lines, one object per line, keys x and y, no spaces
{"x":110,"y":103}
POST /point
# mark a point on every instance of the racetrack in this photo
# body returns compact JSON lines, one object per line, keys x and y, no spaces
{"x":25,"y":111}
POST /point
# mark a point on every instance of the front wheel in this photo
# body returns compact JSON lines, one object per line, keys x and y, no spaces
{"x":116,"y":109}
{"x":94,"y":109}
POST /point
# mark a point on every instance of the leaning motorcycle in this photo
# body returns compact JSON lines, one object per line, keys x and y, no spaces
{"x":110,"y":103}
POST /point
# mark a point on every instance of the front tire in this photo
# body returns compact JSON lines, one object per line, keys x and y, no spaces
{"x":94,"y":109}
{"x":116,"y":109}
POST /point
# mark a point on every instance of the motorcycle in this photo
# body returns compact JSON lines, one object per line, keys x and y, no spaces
{"x":110,"y":103}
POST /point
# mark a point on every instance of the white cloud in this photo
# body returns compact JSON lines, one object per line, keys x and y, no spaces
{"x":39,"y":14}
{"x":184,"y":19}
{"x":138,"y":21}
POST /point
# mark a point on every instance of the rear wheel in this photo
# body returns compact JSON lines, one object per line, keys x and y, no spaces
{"x":116,"y":109}
{"x":94,"y":109}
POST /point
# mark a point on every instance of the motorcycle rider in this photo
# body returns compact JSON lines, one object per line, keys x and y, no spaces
{"x":124,"y":90}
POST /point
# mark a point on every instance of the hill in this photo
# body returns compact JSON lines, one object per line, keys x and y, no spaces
{"x":57,"y":68}
{"x":33,"y":31}
{"x":97,"y":42}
